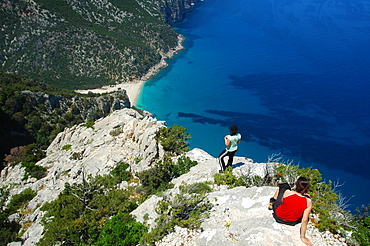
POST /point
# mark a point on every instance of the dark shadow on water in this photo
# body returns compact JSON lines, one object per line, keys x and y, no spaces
{"x":295,"y":136}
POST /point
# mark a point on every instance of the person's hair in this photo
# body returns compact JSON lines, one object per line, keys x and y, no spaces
{"x":302,"y":185}
{"x":233,"y":130}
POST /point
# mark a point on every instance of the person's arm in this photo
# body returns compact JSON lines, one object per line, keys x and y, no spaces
{"x":227,"y":141}
{"x":276,"y":194}
{"x":304,"y":223}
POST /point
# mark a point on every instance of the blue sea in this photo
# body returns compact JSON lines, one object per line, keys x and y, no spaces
{"x":293,"y":75}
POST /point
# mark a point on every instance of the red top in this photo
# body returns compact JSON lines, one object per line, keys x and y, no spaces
{"x":292,"y":208}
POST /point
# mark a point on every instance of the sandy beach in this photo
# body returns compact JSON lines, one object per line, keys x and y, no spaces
{"x":133,"y":88}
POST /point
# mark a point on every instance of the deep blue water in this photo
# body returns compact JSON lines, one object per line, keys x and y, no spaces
{"x":293,"y":75}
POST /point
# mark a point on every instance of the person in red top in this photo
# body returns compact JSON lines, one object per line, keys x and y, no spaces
{"x":293,"y":207}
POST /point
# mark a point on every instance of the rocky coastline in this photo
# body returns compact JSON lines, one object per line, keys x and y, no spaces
{"x":133,"y":88}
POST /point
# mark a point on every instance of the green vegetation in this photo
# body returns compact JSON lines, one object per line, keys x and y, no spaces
{"x":95,"y":212}
{"x":31,"y":155}
{"x":121,"y":230}
{"x":158,"y":178}
{"x":21,"y":199}
{"x":81,"y":215}
{"x":67,"y":147}
{"x":116,"y":132}
{"x":187,"y":210}
{"x":121,"y":41}
{"x":120,"y":172}
{"x":174,"y":139}
{"x":174,"y":142}
{"x":228,"y":178}
{"x":362,"y":224}
{"x":89,"y":123}
{"x":38,"y":117}
{"x":9,"y":229}
{"x":20,"y":113}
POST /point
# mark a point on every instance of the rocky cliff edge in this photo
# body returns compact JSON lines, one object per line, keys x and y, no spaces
{"x":239,"y":215}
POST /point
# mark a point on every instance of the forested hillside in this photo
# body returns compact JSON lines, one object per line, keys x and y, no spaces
{"x":32,"y":113}
{"x":79,"y":44}
{"x":50,"y":48}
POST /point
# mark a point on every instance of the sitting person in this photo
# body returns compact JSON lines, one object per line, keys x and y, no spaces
{"x":293,"y":207}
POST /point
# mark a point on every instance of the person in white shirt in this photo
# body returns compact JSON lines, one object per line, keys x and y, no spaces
{"x":231,"y":142}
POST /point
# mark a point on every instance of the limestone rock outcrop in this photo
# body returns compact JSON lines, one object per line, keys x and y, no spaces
{"x":239,"y":216}
{"x":86,"y":107}
{"x":123,"y":136}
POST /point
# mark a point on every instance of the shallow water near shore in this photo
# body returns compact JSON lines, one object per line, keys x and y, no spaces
{"x":292,"y":75}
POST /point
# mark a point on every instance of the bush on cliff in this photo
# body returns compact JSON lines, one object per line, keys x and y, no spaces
{"x":174,"y":139}
{"x":121,"y":230}
{"x":362,"y":224}
{"x":186,"y":209}
{"x":158,"y":178}
{"x":9,"y":229}
{"x":79,"y":214}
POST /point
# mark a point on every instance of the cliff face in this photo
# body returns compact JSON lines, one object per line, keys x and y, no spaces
{"x":86,"y":107}
{"x":239,"y":216}
{"x":124,"y":136}
{"x":30,"y":115}
{"x":86,"y":44}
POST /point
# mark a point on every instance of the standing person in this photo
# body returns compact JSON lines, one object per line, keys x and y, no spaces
{"x":293,"y":207}
{"x":231,"y":142}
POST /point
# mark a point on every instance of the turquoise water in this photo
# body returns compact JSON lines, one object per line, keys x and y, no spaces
{"x":293,"y":75}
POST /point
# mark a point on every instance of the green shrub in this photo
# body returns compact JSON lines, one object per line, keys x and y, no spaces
{"x":186,"y":209}
{"x":67,"y":147}
{"x":199,"y":188}
{"x":19,"y":200}
{"x":140,"y":111}
{"x":173,"y":139}
{"x":120,"y":173}
{"x":362,"y":224}
{"x":121,"y":230}
{"x":89,"y":123}
{"x":228,"y":178}
{"x":33,"y":170}
{"x":77,"y":155}
{"x":31,"y":155}
{"x":253,"y":181}
{"x":77,"y":216}
{"x":158,"y":178}
{"x":183,"y":166}
{"x":116,"y":132}
{"x":8,"y":229}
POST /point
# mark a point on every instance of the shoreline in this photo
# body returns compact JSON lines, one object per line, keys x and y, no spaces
{"x":133,"y":89}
